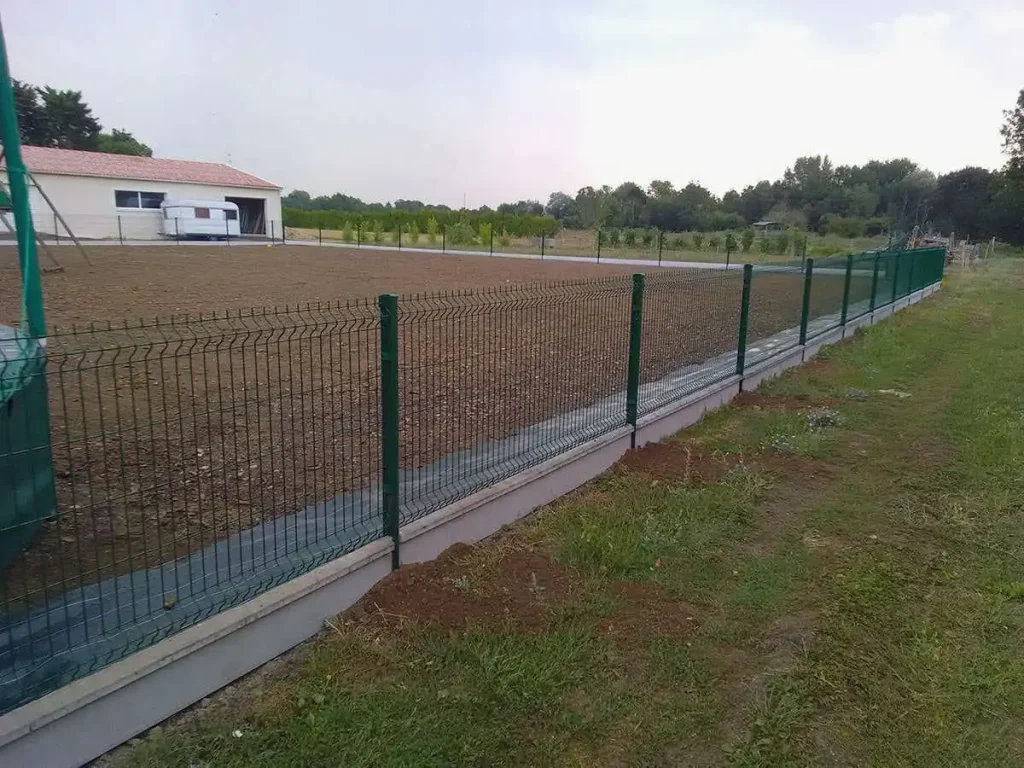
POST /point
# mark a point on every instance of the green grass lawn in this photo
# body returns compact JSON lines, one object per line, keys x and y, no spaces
{"x":830,"y":571}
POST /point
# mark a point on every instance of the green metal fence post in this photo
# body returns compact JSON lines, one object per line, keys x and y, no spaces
{"x":388,"y":303}
{"x":319,"y":233}
{"x":846,"y":289}
{"x":599,"y":246}
{"x":359,"y":234}
{"x":542,"y":246}
{"x":660,"y":241}
{"x":491,"y":233}
{"x":28,"y":261}
{"x":741,"y":344}
{"x":874,"y":282}
{"x":895,"y":274}
{"x":636,"y":322}
{"x":399,"y":235}
{"x":805,"y":310}
{"x":444,"y":237}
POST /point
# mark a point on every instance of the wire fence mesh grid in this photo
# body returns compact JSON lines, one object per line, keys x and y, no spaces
{"x":155,"y":473}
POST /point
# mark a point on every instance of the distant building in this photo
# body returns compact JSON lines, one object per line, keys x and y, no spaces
{"x":104,"y":196}
{"x":764,"y":227}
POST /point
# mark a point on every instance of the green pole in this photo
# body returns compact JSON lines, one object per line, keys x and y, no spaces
{"x":636,"y":322}
{"x":910,"y":277}
{"x":388,"y":303}
{"x":741,"y":344}
{"x":399,"y":235}
{"x":895,"y":273}
{"x":491,"y":234}
{"x":359,"y":234}
{"x":874,"y":281}
{"x":659,"y":247}
{"x":444,"y":237}
{"x":846,"y":289}
{"x":599,"y":246}
{"x":542,"y":246}
{"x":28,"y":262}
{"x":806,"y":309}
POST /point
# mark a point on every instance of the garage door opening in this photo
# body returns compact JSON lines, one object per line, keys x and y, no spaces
{"x":252,"y":219}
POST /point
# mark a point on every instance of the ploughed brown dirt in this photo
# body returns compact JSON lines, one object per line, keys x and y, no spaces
{"x":171,"y":433}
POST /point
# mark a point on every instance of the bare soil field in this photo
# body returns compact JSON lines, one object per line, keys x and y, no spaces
{"x":170,"y":435}
{"x":133,"y":282}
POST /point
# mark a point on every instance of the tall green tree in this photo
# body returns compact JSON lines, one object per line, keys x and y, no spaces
{"x":962,"y":200}
{"x":122,"y":143}
{"x":68,"y":120}
{"x":1013,"y":134}
{"x":31,"y":123}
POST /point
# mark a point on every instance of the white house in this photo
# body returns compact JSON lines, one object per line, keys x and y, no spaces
{"x":105,"y":196}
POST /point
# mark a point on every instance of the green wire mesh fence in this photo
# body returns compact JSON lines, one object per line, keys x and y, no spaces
{"x":155,"y":473}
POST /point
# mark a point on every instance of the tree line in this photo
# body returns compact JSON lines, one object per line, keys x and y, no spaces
{"x":525,"y":219}
{"x":813,"y":194}
{"x":48,"y":117}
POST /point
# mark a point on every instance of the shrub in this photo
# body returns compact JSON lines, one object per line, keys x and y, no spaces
{"x":679,"y":242}
{"x":485,"y":234}
{"x":432,"y":230}
{"x":782,"y":243}
{"x":714,"y":241}
{"x":460,"y":233}
{"x":629,"y":238}
{"x":747,"y":239}
{"x":346,"y":232}
{"x":613,"y":237}
{"x":414,"y":233}
{"x":765,"y":245}
{"x":698,"y":241}
{"x":504,"y":239}
{"x":647,"y":237}
{"x":730,"y":242}
{"x":375,"y":232}
{"x":396,"y":235}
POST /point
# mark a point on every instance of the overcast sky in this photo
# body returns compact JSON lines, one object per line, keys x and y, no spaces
{"x":506,"y":100}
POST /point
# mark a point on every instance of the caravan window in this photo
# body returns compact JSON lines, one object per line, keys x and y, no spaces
{"x":130,"y":199}
{"x":232,"y":215}
{"x":202,"y":213}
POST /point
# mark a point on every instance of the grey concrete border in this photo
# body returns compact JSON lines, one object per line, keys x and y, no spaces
{"x":481,"y":514}
{"x":669,"y":419}
{"x":813,"y":346}
{"x":852,"y":326}
{"x":770,"y":368}
{"x":94,"y":714}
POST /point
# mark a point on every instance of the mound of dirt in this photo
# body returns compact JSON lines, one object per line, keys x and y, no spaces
{"x":505,"y":583}
{"x":679,"y":462}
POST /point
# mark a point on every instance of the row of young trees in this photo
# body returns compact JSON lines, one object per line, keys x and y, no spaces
{"x":48,"y":117}
{"x":813,"y":194}
{"x":388,"y":218}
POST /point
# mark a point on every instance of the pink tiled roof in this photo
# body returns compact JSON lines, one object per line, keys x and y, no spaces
{"x":73,"y":162}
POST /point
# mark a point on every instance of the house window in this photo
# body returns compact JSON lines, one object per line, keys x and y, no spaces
{"x":202,"y":213}
{"x":132,"y":199}
{"x":232,"y":215}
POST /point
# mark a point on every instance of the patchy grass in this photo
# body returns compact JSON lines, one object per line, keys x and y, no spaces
{"x":832,"y":576}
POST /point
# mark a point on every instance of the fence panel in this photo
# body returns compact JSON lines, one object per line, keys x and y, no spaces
{"x":775,"y":308}
{"x":690,"y":325}
{"x":196,"y":463}
{"x":493,"y":382}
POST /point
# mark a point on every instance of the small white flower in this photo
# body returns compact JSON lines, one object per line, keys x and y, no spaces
{"x":237,"y":734}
